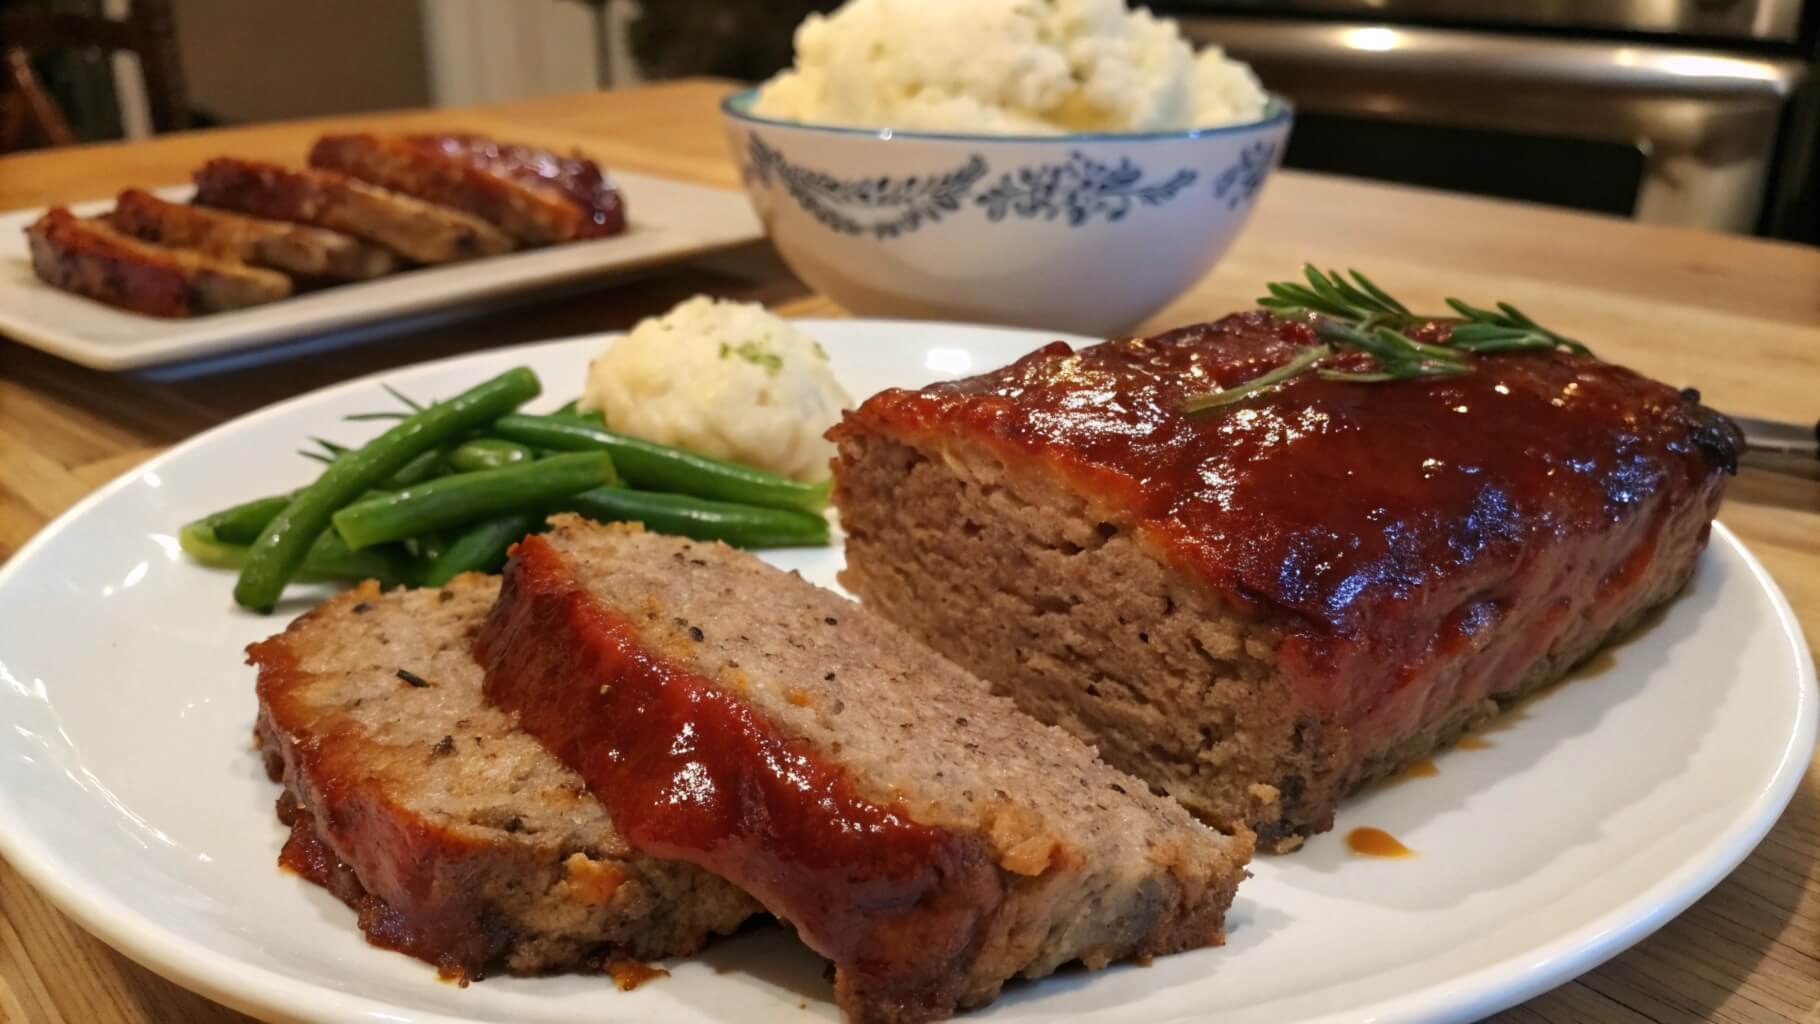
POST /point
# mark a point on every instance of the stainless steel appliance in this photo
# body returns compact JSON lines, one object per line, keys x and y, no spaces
{"x":1692,"y":112}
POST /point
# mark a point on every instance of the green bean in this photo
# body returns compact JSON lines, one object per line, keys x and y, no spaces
{"x":427,"y":466}
{"x":243,"y":523}
{"x":487,"y":453}
{"x":655,"y":467}
{"x":466,"y":498}
{"x":482,"y":548}
{"x":275,"y":557}
{"x":327,"y":561}
{"x":572,"y":407}
{"x":743,"y":526}
{"x":428,"y":547}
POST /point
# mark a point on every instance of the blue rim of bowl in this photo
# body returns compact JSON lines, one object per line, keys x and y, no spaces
{"x":735,"y":106}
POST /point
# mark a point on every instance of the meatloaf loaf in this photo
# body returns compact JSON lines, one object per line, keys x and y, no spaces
{"x":456,"y":837}
{"x":924,"y":835}
{"x":1262,"y":606}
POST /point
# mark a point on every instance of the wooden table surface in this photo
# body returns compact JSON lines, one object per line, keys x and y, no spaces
{"x":1738,"y":318}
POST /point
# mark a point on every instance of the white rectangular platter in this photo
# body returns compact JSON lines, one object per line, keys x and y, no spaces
{"x":669,"y":221}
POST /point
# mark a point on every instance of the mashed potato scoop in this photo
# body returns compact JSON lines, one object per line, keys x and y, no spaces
{"x":727,"y":379}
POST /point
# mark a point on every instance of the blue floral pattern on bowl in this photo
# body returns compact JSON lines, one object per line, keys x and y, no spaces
{"x":1080,"y":188}
{"x":912,"y":201}
{"x":1240,"y":182}
{"x":1077,"y":190}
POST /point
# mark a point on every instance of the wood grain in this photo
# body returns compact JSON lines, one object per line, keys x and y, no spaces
{"x":1738,"y":318}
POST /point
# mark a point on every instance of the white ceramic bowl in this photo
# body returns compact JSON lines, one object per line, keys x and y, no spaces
{"x":1083,"y":233}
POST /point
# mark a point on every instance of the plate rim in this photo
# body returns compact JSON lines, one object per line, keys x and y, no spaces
{"x":266,"y":993}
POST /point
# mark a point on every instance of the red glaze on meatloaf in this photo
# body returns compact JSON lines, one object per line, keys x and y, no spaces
{"x":1382,"y":535}
{"x":457,"y":839}
{"x":536,"y":195}
{"x":688,"y":771}
{"x":921,"y":833}
{"x":602,"y":205}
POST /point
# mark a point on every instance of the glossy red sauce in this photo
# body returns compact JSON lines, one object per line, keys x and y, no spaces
{"x":1387,"y":526}
{"x":393,"y":889}
{"x":109,"y":268}
{"x":603,"y":208}
{"x":690,"y":772}
{"x":307,"y":856}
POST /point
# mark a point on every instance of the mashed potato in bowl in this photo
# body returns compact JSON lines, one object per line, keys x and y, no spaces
{"x":1038,"y":67}
{"x":726,"y":379}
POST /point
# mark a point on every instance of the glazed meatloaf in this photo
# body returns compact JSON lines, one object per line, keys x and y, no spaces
{"x":1262,"y":606}
{"x":456,"y":837}
{"x":534,"y":195}
{"x":90,"y":258}
{"x":418,"y":231}
{"x":292,"y":248}
{"x":922,"y":834}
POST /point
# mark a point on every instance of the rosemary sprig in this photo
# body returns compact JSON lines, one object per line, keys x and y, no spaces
{"x":1300,"y":364}
{"x":1350,"y":312}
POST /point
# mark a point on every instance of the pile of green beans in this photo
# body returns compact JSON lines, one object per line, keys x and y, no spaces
{"x":451,"y":486}
{"x":656,"y":467}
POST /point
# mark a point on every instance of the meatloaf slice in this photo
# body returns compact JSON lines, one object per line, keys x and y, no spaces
{"x":90,"y":258}
{"x":292,"y":248}
{"x":1260,"y":607}
{"x":457,"y":837}
{"x":416,"y":230}
{"x":534,"y":195}
{"x":924,"y":835}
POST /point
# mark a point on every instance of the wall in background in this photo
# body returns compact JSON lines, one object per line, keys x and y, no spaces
{"x":258,"y":60}
{"x":486,"y":51}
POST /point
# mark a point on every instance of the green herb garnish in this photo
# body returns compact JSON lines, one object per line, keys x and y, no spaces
{"x":1357,"y":315}
{"x":752,"y":353}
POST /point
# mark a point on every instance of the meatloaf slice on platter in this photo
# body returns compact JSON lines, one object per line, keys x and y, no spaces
{"x":534,"y":195}
{"x":87,"y":256}
{"x":417,"y":230}
{"x":455,"y":836}
{"x":292,"y":248}
{"x":924,"y":835}
{"x":1262,"y":606}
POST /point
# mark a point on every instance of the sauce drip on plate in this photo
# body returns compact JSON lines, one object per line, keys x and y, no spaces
{"x":1375,"y":842}
{"x":1423,"y":769}
{"x":629,"y":974}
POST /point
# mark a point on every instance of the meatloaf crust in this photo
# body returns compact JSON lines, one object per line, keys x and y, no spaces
{"x":456,"y":837}
{"x":534,"y":195}
{"x":1260,"y":607}
{"x":929,"y":839}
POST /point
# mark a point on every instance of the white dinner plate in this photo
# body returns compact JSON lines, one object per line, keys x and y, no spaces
{"x":130,"y":792}
{"x":666,"y":221}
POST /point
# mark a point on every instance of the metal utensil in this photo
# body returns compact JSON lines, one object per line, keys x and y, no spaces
{"x":1791,"y":449}
{"x":1772,"y":437}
